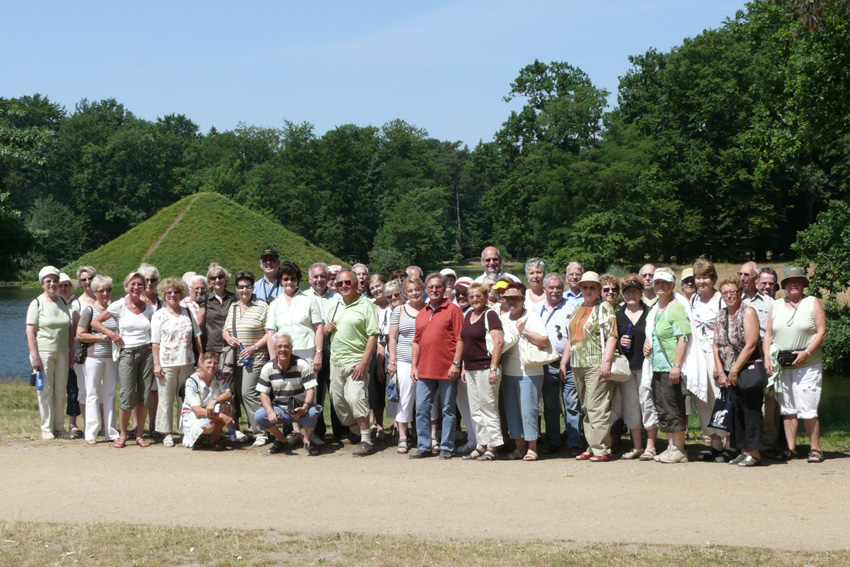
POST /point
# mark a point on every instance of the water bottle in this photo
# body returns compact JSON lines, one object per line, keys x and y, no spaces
{"x":39,"y":380}
{"x":232,"y":431}
{"x":246,"y":362}
{"x":629,"y":334}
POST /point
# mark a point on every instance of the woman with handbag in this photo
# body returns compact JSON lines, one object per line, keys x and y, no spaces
{"x":173,"y":333}
{"x":522,"y":383}
{"x":101,"y":369}
{"x":593,"y":339}
{"x":635,"y":404}
{"x":483,"y":340}
{"x":49,"y":341}
{"x":132,"y":343}
{"x":797,"y":327}
{"x":740,"y":369}
{"x":245,"y":332}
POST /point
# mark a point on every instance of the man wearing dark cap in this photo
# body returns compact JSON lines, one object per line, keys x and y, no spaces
{"x":268,"y":287}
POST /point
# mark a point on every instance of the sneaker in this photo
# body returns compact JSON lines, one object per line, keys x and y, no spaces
{"x":240,"y":437}
{"x":312,"y":450}
{"x":317,"y":441}
{"x":445,"y":455}
{"x":47,"y":436}
{"x":277,"y":447}
{"x":465,"y":449}
{"x":420,"y":454}
{"x":657,"y":458}
{"x":674,"y":455}
{"x":168,"y":441}
{"x":260,"y":440}
{"x":364,"y":450}
{"x":294,"y":439}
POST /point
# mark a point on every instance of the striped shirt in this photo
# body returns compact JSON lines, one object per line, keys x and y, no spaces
{"x":295,"y":382}
{"x":406,"y":332}
{"x":250,"y":326}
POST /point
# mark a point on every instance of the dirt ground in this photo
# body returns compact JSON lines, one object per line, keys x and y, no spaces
{"x":784,"y":506}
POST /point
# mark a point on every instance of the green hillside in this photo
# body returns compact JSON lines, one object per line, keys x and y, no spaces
{"x":197,"y":230}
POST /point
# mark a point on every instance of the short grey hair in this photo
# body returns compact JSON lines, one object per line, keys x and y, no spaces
{"x":535,"y":263}
{"x":358,"y":265}
{"x":553,"y":276}
{"x":318,"y":265}
{"x":491,"y":278}
{"x":279,"y":335}
{"x":392,"y":286}
{"x":435,"y":275}
{"x":419,"y":275}
{"x":578,"y":265}
{"x":148,"y":270}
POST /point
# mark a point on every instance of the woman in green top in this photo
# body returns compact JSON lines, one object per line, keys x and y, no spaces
{"x":593,"y":339}
{"x":666,"y":346}
{"x":798,"y":323}
{"x":49,"y":340}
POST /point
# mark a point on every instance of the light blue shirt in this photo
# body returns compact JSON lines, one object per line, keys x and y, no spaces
{"x":266,"y":292}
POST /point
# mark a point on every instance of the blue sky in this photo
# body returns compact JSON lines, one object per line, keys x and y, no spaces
{"x":441,"y":66}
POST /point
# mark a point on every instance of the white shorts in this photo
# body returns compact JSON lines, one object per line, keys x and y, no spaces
{"x":801,"y":390}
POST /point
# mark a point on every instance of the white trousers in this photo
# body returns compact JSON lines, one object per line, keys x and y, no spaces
{"x":463,"y":407}
{"x":101,"y":383}
{"x":484,"y":404}
{"x":406,"y":394}
{"x":51,"y":399}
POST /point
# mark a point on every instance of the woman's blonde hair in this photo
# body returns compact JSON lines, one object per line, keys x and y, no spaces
{"x":88,"y":269}
{"x":172,"y":283}
{"x":217,"y":269}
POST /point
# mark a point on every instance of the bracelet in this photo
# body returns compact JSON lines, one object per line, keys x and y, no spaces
{"x":318,"y":351}
{"x":608,"y":361}
{"x":807,"y":351}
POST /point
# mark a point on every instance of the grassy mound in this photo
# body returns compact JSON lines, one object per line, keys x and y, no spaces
{"x":198,"y":230}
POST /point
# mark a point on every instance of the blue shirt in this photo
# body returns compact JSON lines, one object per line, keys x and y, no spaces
{"x":266,"y":292}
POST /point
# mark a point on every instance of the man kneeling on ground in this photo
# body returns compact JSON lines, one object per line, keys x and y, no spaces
{"x":287,"y":389}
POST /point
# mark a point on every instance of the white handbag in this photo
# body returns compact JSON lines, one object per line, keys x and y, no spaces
{"x":620,"y":371}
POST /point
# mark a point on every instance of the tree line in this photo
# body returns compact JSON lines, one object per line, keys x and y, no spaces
{"x":726,"y":147}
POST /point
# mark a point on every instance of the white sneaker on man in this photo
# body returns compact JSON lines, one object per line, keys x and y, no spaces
{"x":674,"y":455}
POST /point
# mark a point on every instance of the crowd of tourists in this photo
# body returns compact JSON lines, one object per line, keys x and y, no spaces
{"x":560,"y":364}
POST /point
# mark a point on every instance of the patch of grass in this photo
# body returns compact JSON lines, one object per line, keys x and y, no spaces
{"x":24,"y":544}
{"x":212,"y":229}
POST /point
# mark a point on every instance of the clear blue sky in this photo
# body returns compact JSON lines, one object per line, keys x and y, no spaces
{"x":442,"y":66}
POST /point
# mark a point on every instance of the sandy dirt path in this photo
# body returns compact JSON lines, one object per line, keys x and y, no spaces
{"x":785,"y":506}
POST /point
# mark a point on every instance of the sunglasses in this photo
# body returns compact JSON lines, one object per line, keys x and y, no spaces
{"x":151,"y":280}
{"x":394,"y":295}
{"x":288,"y":279}
{"x":610,"y":290}
{"x":105,"y":290}
{"x":221,"y":277}
{"x":344,"y":282}
{"x":488,"y":260}
{"x":50,"y":280}
{"x":244,"y":286}
{"x":85,"y":280}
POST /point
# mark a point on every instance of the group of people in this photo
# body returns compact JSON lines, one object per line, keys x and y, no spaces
{"x":597,"y":353}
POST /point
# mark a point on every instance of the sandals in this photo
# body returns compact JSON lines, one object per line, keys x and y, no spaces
{"x":530,"y":456}
{"x":815,"y":456}
{"x":787,"y":455}
{"x":76,"y":432}
{"x":435,"y":445}
{"x":515,"y":455}
{"x":474,"y":455}
{"x":648,"y":455}
{"x":141,"y":442}
{"x":584,"y":456}
{"x":600,"y":458}
{"x":749,"y":461}
{"x":403,"y":448}
{"x":633,"y":454}
{"x":488,"y":455}
{"x":120,"y":443}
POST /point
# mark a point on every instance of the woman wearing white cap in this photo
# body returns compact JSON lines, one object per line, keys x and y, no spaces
{"x":797,"y":327}
{"x":593,"y":339}
{"x":49,"y":340}
{"x":668,"y":332}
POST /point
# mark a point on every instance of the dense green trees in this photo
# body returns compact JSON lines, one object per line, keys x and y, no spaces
{"x":726,"y":146}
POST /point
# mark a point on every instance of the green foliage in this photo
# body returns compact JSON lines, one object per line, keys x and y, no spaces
{"x":196,"y":231}
{"x":416,"y":231}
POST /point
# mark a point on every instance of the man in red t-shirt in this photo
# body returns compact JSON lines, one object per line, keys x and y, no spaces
{"x":437,"y":351}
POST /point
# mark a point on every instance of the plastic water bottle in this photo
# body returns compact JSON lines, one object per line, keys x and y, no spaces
{"x":39,"y":380}
{"x":629,"y":333}
{"x":247,"y":360}
{"x":232,"y":431}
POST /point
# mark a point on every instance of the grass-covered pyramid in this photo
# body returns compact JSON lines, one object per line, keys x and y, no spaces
{"x":197,"y":230}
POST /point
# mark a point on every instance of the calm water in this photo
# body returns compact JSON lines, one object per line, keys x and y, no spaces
{"x":14,"y":358}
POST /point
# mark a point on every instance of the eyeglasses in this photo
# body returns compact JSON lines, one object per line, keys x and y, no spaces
{"x":50,"y":280}
{"x":488,"y":260}
{"x":244,"y":286}
{"x":610,"y":290}
{"x":151,"y":280}
{"x":435,"y":287}
{"x":288,"y":279}
{"x":749,"y":275}
{"x":394,"y":295}
{"x":85,"y":280}
{"x":689,"y":283}
{"x":173,"y":292}
{"x":220,"y":277}
{"x":105,"y":290}
{"x":730,"y":293}
{"x":341,"y":283}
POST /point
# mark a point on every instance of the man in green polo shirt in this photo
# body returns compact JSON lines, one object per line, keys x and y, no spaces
{"x":353,"y":323}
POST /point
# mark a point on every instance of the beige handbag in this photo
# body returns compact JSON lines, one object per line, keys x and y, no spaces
{"x":532,"y":356}
{"x":620,"y":371}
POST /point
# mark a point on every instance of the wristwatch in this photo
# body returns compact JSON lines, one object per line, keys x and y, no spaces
{"x":493,"y":369}
{"x":456,"y":364}
{"x":676,"y":365}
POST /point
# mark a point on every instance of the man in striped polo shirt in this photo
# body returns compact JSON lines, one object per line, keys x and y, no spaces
{"x":287,"y":390}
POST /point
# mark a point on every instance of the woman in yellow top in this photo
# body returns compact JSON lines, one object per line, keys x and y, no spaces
{"x":593,"y":339}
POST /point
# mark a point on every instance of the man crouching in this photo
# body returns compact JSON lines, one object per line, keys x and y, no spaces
{"x":287,"y":388}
